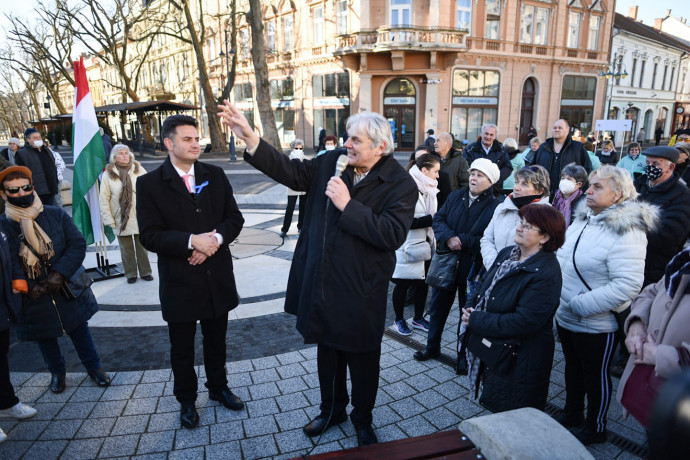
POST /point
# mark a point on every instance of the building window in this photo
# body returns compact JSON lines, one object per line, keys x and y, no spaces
{"x":282,"y":90}
{"x":317,"y":18}
{"x":244,"y":42}
{"x":493,"y":19}
{"x":632,"y":74}
{"x":271,"y":36}
{"x":593,"y":36}
{"x":670,"y":80}
{"x":331,"y":93}
{"x":285,"y":123}
{"x":331,"y":85}
{"x":644,"y":62}
{"x":663,"y":81}
{"x":656,"y":65}
{"x":464,"y":15}
{"x":243,"y":92}
{"x":475,"y":102}
{"x":577,"y":101}
{"x":573,"y":29}
{"x":401,"y":11}
{"x":341,"y":17}
{"x":534,"y":24}
{"x":287,"y":33}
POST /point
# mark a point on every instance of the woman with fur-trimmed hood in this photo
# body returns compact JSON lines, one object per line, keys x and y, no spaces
{"x":602,"y":263}
{"x":118,"y":203}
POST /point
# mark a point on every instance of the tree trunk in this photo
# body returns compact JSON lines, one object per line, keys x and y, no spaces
{"x":263,"y":93}
{"x":217,"y":138}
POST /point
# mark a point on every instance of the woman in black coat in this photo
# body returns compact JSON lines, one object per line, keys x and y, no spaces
{"x":458,"y":226}
{"x":516,"y":301}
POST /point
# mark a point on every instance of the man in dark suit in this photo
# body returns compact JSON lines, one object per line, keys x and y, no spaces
{"x":344,"y":259}
{"x":188,"y":216}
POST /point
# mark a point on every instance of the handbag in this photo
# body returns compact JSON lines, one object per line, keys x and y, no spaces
{"x":641,"y":391}
{"x":65,"y":288}
{"x":499,"y":355}
{"x":443,"y":270}
{"x":417,"y":252}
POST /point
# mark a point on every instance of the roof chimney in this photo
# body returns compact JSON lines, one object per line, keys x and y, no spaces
{"x":658,"y":23}
{"x":632,"y":12}
{"x":668,"y":13}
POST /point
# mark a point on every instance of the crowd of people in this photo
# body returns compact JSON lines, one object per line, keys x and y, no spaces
{"x":555,"y":243}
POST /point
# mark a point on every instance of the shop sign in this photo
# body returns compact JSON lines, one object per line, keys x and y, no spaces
{"x":457,"y":100}
{"x":330,"y":101}
{"x":399,"y":100}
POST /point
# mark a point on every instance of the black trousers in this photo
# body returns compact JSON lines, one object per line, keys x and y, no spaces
{"x":420,"y":289}
{"x":364,"y":375}
{"x":289,"y":211}
{"x":587,"y":363}
{"x":7,"y":396}
{"x":441,"y":303}
{"x":182,"y":356}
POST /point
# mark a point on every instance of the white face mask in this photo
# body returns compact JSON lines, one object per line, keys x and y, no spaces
{"x":38,"y":144}
{"x":566,"y":186}
{"x":330,"y":147}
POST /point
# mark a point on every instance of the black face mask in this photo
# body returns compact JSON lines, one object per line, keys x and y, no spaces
{"x":653,"y":172}
{"x":21,"y":201}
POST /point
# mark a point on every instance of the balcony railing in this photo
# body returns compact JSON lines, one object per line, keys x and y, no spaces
{"x":389,"y":38}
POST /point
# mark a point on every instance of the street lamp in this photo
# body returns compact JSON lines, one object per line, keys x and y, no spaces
{"x":50,"y":120}
{"x":228,"y":52}
{"x":615,"y":69}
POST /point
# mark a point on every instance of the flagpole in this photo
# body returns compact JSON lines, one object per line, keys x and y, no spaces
{"x":106,"y":263}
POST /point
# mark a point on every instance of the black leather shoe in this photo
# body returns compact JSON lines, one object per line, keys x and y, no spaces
{"x":426,"y":355}
{"x":100,"y":377}
{"x":319,"y":424}
{"x":147,"y":278}
{"x":588,"y":436}
{"x":131,"y":280}
{"x":189,"y":417}
{"x":57,"y":383}
{"x":365,"y":435}
{"x":227,"y":399}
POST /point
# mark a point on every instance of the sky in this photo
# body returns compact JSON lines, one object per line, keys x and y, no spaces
{"x":649,"y":10}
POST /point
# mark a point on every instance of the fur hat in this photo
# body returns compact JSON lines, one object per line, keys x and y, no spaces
{"x":663,"y":151}
{"x":14,"y":140}
{"x":488,"y":168}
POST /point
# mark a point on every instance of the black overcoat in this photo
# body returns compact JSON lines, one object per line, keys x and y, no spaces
{"x":522,"y":305}
{"x":168,"y":215}
{"x":343,"y":261}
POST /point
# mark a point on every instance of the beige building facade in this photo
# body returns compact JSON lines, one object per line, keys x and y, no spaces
{"x":447,"y":65}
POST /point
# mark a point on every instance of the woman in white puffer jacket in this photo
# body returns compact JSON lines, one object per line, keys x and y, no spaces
{"x":606,"y":244}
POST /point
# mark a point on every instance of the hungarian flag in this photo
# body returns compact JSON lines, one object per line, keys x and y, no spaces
{"x":89,"y":157}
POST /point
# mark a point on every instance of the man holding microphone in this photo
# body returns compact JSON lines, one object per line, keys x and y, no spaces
{"x":345,"y":256}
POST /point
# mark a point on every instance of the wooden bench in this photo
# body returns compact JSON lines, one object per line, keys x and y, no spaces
{"x":450,"y":444}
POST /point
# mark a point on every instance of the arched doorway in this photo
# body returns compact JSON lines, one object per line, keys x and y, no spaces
{"x":399,"y":108}
{"x":527,"y":109}
{"x":631,"y":114}
{"x":648,"y":124}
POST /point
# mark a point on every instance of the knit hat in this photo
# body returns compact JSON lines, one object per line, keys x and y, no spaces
{"x":682,"y":147}
{"x":30,"y":131}
{"x":14,"y":140}
{"x":663,"y":151}
{"x":488,"y":168}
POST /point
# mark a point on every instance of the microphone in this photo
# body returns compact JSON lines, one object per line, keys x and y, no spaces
{"x":341,"y":165}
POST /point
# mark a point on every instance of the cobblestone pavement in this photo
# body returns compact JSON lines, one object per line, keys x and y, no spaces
{"x":269,"y":367}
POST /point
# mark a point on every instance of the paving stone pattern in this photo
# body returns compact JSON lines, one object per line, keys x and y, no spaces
{"x":138,"y":415}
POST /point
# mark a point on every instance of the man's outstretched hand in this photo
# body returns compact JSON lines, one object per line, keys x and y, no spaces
{"x":231,"y":116}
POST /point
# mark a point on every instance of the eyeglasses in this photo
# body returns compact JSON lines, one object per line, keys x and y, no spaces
{"x":26,"y":188}
{"x":683,"y":138}
{"x":298,"y":148}
{"x":527,"y":227}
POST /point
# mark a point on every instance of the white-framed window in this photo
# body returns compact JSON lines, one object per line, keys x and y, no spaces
{"x":534,"y":25}
{"x":573,"y":29}
{"x":464,"y":15}
{"x":212,"y":55}
{"x":317,"y":18}
{"x":493,"y":19}
{"x":244,"y":41}
{"x":401,"y":13}
{"x":593,"y":35}
{"x":287,"y":33}
{"x":341,"y":16}
{"x":271,"y":35}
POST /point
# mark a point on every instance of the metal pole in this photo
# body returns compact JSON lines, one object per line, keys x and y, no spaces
{"x":233,"y":156}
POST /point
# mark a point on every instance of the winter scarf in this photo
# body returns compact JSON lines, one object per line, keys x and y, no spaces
{"x":126,"y":195}
{"x":676,"y":268}
{"x":564,"y":205}
{"x":34,"y":235}
{"x":428,"y":187}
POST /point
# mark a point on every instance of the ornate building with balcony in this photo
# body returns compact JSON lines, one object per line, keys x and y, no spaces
{"x":447,"y":65}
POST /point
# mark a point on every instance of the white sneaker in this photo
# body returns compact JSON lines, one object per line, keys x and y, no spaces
{"x":19,"y":410}
{"x":3,"y":436}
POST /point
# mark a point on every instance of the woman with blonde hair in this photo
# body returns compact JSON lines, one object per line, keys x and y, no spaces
{"x":602,"y":262}
{"x":118,"y":203}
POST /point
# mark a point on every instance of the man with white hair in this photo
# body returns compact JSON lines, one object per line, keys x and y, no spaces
{"x":345,"y":256}
{"x":489,"y":147}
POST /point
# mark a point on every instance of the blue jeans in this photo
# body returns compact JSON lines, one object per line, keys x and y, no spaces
{"x":83,"y":344}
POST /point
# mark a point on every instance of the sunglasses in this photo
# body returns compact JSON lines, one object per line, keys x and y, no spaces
{"x":298,"y":148}
{"x":26,"y":188}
